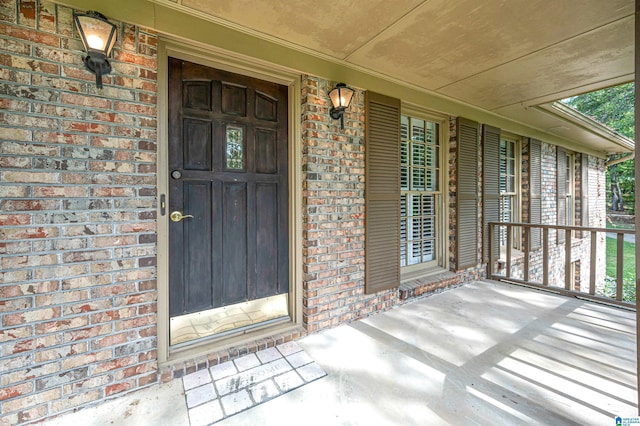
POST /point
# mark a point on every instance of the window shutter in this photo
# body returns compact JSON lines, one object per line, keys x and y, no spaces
{"x":382,"y":193}
{"x":584,"y":191}
{"x":467,"y":194}
{"x":490,"y":188}
{"x":535,"y":188}
{"x":561,"y":191}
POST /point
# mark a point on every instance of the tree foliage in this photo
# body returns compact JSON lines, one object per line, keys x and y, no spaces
{"x":613,"y":107}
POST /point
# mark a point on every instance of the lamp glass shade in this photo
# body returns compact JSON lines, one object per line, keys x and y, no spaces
{"x":341,"y":96}
{"x":98,"y":35}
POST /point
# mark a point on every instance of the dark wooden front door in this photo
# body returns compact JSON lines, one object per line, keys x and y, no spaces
{"x":228,"y":169}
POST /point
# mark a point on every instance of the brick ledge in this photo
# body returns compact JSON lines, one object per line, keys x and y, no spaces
{"x":416,"y":287}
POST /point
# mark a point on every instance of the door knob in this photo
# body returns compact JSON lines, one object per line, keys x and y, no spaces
{"x":178,"y":216}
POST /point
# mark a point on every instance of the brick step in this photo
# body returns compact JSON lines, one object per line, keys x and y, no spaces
{"x":419,"y":286}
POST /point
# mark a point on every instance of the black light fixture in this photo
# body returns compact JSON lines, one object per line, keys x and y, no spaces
{"x":98,"y":37}
{"x":341,"y":97}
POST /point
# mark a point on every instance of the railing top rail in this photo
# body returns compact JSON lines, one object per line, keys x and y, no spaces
{"x":573,"y":228}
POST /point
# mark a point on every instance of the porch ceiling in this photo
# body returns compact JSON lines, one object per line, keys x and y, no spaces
{"x":503,"y":56}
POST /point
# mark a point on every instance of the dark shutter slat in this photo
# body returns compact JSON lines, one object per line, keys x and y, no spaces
{"x":535,"y":187}
{"x":382,"y":193}
{"x":467,"y":194}
{"x":561,"y":190}
{"x":490,"y":188}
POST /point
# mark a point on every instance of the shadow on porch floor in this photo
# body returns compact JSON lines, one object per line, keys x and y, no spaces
{"x":485,"y":353}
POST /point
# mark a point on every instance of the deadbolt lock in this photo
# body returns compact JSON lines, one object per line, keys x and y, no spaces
{"x":178,"y":216}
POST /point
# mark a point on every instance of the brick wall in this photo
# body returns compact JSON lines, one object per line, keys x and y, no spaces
{"x":333,"y":212}
{"x":77,"y":215}
{"x":581,"y":244}
{"x":78,"y":227}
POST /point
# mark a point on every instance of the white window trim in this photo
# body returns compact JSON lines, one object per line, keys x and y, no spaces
{"x":517,"y":237}
{"x":442,"y":225}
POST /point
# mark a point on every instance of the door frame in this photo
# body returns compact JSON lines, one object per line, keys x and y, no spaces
{"x":233,"y":62}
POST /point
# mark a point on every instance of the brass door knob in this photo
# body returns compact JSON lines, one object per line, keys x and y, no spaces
{"x":178,"y":216}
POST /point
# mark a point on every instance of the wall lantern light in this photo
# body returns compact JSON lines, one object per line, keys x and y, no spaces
{"x":341,"y":97}
{"x":98,"y":37}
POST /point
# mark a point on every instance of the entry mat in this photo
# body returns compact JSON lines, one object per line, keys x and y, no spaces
{"x":234,"y":386}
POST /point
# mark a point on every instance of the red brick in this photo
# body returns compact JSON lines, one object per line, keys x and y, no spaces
{"x":134,"y":108}
{"x":27,"y":13}
{"x":119,"y":387}
{"x":135,"y":323}
{"x":114,"y":364}
{"x":15,"y":390}
{"x":59,"y":191}
{"x":61,"y":138}
{"x":86,"y":333}
{"x":61,"y":325}
{"x":148,"y":379}
{"x":27,"y":233}
{"x":113,"y":192}
{"x":81,"y":126}
{"x":17,"y":347}
{"x":15,"y":219}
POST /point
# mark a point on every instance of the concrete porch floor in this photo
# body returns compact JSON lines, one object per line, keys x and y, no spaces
{"x":486,"y":353}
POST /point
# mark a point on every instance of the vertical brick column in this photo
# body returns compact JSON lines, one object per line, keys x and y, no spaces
{"x":333,"y":206}
{"x":77,"y":215}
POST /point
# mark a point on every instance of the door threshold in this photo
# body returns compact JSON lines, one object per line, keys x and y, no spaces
{"x":227,"y":320}
{"x":235,"y":332}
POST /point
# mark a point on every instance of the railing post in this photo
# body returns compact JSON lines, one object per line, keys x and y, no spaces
{"x":508,"y":273}
{"x":527,"y":238}
{"x":619,"y":265}
{"x":592,"y":265}
{"x":567,"y":259}
{"x":489,"y":262}
{"x":545,"y":256}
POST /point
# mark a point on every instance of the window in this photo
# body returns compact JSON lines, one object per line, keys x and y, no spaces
{"x":420,"y":192}
{"x":570,"y":189}
{"x":509,"y":211}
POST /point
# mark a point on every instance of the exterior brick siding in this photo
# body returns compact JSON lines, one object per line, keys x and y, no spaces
{"x":333,"y":212}
{"x":78,"y":239}
{"x":77,"y":215}
{"x":581,"y":243}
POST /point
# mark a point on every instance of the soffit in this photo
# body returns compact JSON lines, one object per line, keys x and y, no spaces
{"x":492,"y":54}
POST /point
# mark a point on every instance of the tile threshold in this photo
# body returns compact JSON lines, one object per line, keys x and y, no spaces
{"x":235,"y":386}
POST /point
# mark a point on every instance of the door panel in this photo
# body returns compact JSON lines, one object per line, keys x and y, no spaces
{"x":267,"y":243}
{"x":234,"y":242}
{"x":196,"y":144}
{"x":197,"y":255}
{"x":227,"y":168}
